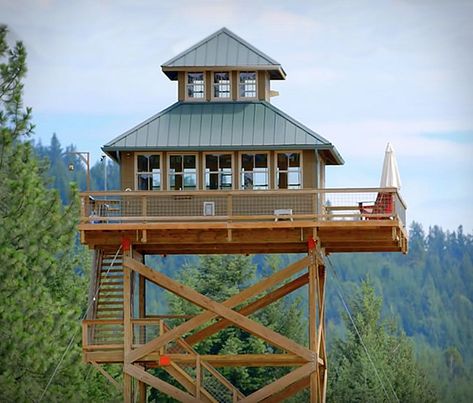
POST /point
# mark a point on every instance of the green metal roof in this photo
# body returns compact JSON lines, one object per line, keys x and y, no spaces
{"x":192,"y":126}
{"x":223,"y":49}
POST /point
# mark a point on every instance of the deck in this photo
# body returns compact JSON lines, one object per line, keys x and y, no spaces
{"x":278,"y":221}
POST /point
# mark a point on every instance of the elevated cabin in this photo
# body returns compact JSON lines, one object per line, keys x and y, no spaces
{"x":222,"y":170}
{"x":225,"y":160}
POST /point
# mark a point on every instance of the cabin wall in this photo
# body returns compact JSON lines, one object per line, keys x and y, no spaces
{"x":127,"y":170}
{"x":313,"y":169}
{"x":309,"y":169}
{"x":181,"y":86}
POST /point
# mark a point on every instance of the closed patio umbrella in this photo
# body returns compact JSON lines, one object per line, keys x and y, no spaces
{"x":390,"y":176}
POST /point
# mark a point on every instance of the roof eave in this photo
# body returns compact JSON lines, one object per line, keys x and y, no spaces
{"x":276,"y":71}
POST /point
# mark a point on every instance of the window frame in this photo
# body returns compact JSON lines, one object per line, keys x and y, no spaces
{"x":204,"y":168}
{"x":239,"y":97}
{"x":212,"y":95}
{"x":136,"y":173}
{"x":168,"y":171}
{"x":276,"y":171}
{"x":186,"y":85}
{"x":240,"y":172}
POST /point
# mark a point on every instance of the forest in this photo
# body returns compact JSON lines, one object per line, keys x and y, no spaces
{"x":399,"y":326}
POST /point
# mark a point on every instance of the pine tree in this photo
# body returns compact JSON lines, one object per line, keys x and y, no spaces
{"x":374,"y":362}
{"x":41,"y":285}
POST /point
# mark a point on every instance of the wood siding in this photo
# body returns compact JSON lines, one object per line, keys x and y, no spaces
{"x":309,"y":169}
{"x":127,"y":170}
{"x":181,"y":86}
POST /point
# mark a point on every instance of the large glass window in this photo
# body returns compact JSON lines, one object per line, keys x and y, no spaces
{"x":182,"y":172}
{"x":254,"y":171}
{"x":148,"y":172}
{"x":289,"y":173}
{"x":247,"y":84}
{"x":218,"y":171}
{"x":195,"y":86}
{"x":222,"y":86}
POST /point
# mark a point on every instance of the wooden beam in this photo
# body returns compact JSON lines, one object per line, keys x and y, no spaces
{"x":159,"y":384}
{"x":206,"y":303}
{"x":127,"y":333}
{"x":291,"y":390}
{"x":281,"y":383}
{"x":225,"y":360}
{"x":312,"y":312}
{"x":188,"y":382}
{"x":250,"y":308}
{"x":109,"y":377}
{"x":231,"y":302}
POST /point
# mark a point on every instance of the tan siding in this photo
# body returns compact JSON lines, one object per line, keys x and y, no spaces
{"x":267,"y":93}
{"x":272,"y":170}
{"x":261,"y":85}
{"x":200,"y":171}
{"x":164,"y":171}
{"x":234,"y":82}
{"x":322,"y":173}
{"x":309,"y":169}
{"x":208,"y":85}
{"x":127,"y":170}
{"x":236,"y":173}
{"x":181,"y":86}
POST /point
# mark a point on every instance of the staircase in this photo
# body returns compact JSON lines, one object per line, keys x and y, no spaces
{"x":108,"y":294}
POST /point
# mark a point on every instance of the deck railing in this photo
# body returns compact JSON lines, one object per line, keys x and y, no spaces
{"x":240,"y":205}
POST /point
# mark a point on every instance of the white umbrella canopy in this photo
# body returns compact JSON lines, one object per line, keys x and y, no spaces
{"x":390,"y":177}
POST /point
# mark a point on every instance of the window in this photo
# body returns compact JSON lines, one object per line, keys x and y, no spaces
{"x":289,"y":172}
{"x":218,"y":171}
{"x":182,"y":172}
{"x":195,"y":86}
{"x":148,"y":172}
{"x":247,"y":84}
{"x":222,"y":87}
{"x":254,"y":171}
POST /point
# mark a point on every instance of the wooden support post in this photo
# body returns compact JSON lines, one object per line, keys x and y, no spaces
{"x":313,"y":321}
{"x":127,"y":330}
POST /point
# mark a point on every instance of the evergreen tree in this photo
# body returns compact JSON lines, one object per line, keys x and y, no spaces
{"x":42,"y":286}
{"x":374,"y":362}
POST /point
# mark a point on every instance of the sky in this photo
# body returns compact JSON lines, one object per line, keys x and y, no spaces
{"x":361,"y":74}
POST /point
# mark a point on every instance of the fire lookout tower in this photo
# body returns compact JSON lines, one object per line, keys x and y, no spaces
{"x":221,"y":171}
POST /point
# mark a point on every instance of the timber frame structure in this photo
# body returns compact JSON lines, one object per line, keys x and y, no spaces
{"x":185,"y":365}
{"x":222,"y":171}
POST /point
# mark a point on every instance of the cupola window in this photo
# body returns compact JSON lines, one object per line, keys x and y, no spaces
{"x":247,"y":84}
{"x":195,"y":86}
{"x":222,"y":86}
{"x":254,"y":171}
{"x":289,"y":171}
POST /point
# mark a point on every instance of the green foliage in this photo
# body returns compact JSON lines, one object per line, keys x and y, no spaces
{"x":429,"y":292}
{"x":220,"y":277}
{"x":42,"y":285}
{"x":374,"y":362}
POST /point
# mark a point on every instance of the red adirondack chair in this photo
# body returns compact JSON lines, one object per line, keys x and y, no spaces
{"x":384,"y":204}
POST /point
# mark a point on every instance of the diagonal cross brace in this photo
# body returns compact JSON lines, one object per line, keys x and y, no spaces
{"x":218,"y":309}
{"x":250,"y":308}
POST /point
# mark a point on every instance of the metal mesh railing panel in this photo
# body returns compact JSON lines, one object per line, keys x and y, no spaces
{"x":105,"y":334}
{"x":216,"y":388}
{"x":326,"y":204}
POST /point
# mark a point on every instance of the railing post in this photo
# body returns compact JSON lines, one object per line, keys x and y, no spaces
{"x":144,"y":207}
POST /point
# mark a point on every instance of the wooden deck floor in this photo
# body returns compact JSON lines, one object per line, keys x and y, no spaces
{"x":383,"y":235}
